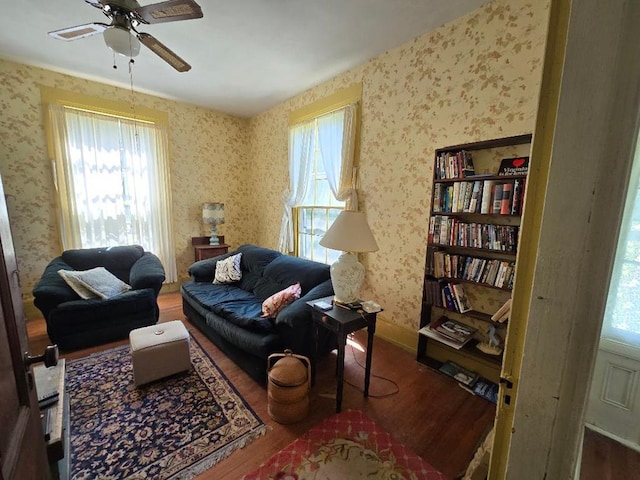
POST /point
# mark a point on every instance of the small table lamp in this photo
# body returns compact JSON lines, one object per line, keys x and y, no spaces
{"x":213,"y":213}
{"x":350,"y":233}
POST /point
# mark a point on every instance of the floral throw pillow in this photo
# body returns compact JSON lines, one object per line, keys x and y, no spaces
{"x":94,"y":283}
{"x":228,"y":270}
{"x":276,"y":302}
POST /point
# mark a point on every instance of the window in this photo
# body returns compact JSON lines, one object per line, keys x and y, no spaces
{"x":112,"y":179}
{"x":322,"y":174}
{"x":621,"y":321}
{"x":316,"y":212}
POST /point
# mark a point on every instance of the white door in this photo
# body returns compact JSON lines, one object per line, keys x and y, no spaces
{"x":614,"y":400}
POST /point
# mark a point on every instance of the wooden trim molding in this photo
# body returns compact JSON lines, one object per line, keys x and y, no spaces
{"x":352,"y":94}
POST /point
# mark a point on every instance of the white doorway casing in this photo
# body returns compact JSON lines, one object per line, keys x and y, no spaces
{"x":591,"y":144}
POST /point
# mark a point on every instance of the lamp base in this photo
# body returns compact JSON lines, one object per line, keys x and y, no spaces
{"x":214,"y":240}
{"x":347,"y":275}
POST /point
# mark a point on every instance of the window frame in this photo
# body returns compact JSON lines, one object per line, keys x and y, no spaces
{"x":118,"y":109}
{"x":311,"y":112}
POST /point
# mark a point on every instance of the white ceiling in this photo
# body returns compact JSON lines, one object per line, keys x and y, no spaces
{"x":246,"y":55}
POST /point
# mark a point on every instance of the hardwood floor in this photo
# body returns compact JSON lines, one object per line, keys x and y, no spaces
{"x":430,"y":414}
{"x":605,"y":459}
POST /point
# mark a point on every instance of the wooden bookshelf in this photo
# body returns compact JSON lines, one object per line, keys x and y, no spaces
{"x":463,"y":229}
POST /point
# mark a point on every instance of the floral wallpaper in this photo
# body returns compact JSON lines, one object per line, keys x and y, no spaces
{"x":476,"y":78}
{"x":208,"y":155}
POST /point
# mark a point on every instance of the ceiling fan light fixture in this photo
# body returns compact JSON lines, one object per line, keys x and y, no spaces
{"x":121,"y":41}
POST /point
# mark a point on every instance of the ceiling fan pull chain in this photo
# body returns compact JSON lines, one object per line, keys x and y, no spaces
{"x":133,"y":106}
{"x":115,"y":67}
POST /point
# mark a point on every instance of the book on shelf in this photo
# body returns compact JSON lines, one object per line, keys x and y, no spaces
{"x":496,"y":198}
{"x":487,"y":190}
{"x":468,"y":193}
{"x":505,"y":204}
{"x":437,"y":197}
{"x":456,"y":197}
{"x":503,"y":313}
{"x":486,"y":389}
{"x":454,"y":165}
{"x":514,"y":166}
{"x":429,"y":332}
{"x":468,"y":169}
{"x":447,"y":297}
{"x":462,"y":375}
{"x":476,"y":193}
{"x":516,"y":200}
{"x":454,"y":330}
{"x":461,"y":298}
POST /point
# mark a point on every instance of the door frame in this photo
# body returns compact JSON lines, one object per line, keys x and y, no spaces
{"x":582,"y":152}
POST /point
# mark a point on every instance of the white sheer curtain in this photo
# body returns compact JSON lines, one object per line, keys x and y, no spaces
{"x":336,"y":141}
{"x":300,"y":154}
{"x":622,"y":318}
{"x":113,"y":183}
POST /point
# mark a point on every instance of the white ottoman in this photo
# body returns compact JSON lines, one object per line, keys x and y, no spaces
{"x":158,"y":351}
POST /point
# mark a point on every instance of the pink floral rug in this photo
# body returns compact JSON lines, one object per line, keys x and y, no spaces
{"x":345,"y":446}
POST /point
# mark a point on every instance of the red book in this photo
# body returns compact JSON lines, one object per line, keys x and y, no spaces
{"x":505,"y":205}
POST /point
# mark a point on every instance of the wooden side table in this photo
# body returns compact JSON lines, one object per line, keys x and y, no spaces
{"x":202,"y":250}
{"x":342,"y":322}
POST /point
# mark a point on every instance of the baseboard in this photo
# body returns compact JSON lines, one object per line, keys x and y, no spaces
{"x":402,"y":337}
{"x":170,"y":287}
{"x":31,"y":312}
{"x":626,"y":443}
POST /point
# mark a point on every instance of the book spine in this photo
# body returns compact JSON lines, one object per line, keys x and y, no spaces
{"x":448,"y":297}
{"x":505,"y":204}
{"x":437,"y":197}
{"x":473,"y":202}
{"x":432,"y":226}
{"x":486,"y":196}
{"x":517,"y":192}
{"x":469,"y":195}
{"x":496,"y":198}
{"x":456,"y":198}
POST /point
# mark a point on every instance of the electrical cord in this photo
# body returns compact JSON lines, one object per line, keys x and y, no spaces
{"x":373,"y":375}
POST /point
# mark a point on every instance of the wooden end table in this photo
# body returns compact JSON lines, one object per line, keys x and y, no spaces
{"x":202,"y":250}
{"x":342,"y":322}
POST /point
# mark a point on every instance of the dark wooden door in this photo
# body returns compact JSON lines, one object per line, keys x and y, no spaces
{"x":22,"y":447}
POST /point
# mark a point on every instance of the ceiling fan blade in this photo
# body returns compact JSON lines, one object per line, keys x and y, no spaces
{"x":169,"y":11}
{"x":79,"y":31}
{"x":163,"y":52}
{"x":94,"y":3}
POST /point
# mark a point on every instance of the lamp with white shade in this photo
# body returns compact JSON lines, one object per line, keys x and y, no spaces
{"x":213,"y":213}
{"x":351,"y":234}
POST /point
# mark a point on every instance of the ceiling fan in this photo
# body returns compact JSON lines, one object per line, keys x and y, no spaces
{"x":121,"y":34}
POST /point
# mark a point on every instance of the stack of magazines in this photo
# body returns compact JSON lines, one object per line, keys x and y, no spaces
{"x":471,"y":381}
{"x":450,"y":332}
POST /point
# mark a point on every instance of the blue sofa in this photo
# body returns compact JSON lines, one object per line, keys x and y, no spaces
{"x":230,"y":314}
{"x":74,"y":323}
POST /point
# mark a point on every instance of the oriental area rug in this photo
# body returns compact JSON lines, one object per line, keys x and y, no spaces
{"x":174,"y":428}
{"x":344,"y":446}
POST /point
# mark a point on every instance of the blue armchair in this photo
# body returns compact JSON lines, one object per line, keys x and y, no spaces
{"x":74,"y":323}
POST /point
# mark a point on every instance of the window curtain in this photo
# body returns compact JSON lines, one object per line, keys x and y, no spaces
{"x":621,"y":324}
{"x":336,"y":142}
{"x":113,"y":183}
{"x":300,"y":155}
